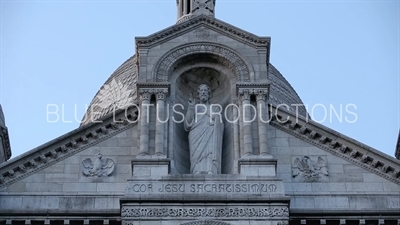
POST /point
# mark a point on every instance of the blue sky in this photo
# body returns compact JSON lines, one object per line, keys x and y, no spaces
{"x":332,"y":52}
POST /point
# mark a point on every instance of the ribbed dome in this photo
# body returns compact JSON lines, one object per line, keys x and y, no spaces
{"x":121,"y":86}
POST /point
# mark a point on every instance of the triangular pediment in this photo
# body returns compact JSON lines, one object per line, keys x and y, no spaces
{"x":66,"y":146}
{"x":336,"y":144}
{"x":208,"y":23}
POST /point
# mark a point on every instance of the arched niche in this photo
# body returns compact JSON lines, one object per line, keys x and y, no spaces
{"x":185,"y":77}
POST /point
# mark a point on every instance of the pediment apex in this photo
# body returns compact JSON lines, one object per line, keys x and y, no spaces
{"x":208,"y":23}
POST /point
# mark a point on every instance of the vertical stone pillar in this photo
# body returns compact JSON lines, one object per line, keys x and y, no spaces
{"x":145,"y":95}
{"x":179,"y":7}
{"x":244,"y":95}
{"x":161,"y":119}
{"x":185,"y":5}
{"x":236,"y":134}
{"x":262,"y":95}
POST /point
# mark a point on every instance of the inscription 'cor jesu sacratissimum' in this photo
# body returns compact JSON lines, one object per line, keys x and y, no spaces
{"x":204,"y":188}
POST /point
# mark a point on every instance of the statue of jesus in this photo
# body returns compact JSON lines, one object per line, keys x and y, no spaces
{"x":204,"y":124}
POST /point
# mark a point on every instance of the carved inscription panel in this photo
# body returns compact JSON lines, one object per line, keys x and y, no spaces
{"x":207,"y":187}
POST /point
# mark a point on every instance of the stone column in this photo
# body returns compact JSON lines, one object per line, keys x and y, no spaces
{"x":161,"y":119}
{"x":185,"y":8}
{"x":145,"y":95}
{"x":262,"y":112}
{"x":244,"y":95}
{"x":236,"y":134}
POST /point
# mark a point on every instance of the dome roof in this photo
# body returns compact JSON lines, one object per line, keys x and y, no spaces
{"x":121,"y":87}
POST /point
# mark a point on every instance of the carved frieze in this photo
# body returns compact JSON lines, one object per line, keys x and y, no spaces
{"x":204,"y":212}
{"x":310,"y":169}
{"x":205,"y":222}
{"x":98,"y":168}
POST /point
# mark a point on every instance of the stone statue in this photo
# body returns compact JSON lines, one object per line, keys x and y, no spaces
{"x":205,"y":128}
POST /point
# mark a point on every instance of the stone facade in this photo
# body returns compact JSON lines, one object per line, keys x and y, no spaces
{"x":134,"y":166}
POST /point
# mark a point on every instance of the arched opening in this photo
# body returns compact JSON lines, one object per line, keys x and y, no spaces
{"x":187,"y":74}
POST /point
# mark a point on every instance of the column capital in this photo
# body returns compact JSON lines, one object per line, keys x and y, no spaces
{"x":261,"y":93}
{"x":244,"y":94}
{"x":144,"y":94}
{"x":160,"y":90}
{"x":260,"y":90}
{"x":161,"y":93}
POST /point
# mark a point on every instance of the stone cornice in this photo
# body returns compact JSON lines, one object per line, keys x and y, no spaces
{"x":226,"y":28}
{"x":337,"y":144}
{"x":155,"y":85}
{"x":66,"y":146}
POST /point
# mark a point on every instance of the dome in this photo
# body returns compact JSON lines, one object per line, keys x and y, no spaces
{"x":121,"y":87}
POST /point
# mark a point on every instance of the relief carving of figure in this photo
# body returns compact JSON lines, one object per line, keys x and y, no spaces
{"x":100,"y":167}
{"x":205,"y":129}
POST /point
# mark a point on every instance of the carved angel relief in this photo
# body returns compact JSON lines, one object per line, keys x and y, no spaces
{"x":310,"y":169}
{"x":99,"y":168}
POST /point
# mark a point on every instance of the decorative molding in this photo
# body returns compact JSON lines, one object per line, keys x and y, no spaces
{"x":241,"y":68}
{"x":310,"y":168}
{"x":60,"y":149}
{"x":184,"y":18}
{"x":205,"y":222}
{"x":204,"y":212}
{"x":335,"y":143}
{"x":99,"y":168}
{"x":202,"y":19}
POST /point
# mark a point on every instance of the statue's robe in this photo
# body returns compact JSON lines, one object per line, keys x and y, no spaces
{"x":205,"y":141}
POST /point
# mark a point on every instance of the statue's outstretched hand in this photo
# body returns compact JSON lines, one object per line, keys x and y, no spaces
{"x":191,"y":100}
